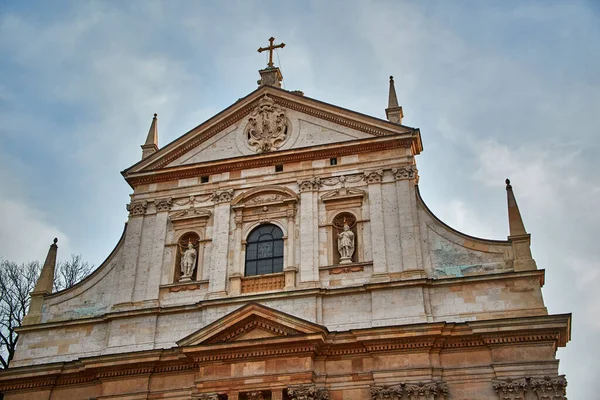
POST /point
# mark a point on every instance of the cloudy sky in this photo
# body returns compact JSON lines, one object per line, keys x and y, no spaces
{"x":498,"y":89}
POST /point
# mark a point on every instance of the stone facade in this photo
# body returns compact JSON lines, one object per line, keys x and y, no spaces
{"x":419,"y":310}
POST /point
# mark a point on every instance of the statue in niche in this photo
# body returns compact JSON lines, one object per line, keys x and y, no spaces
{"x":346,"y":244}
{"x":188,"y":262}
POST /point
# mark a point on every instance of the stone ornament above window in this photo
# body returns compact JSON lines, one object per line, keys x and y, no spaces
{"x":267,"y":127}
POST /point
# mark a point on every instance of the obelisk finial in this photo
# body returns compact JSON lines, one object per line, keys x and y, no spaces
{"x":394,"y":111}
{"x":151,"y":145}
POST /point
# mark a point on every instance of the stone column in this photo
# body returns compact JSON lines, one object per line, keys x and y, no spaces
{"x":158,"y":246}
{"x":220,"y":247}
{"x":308,"y":230}
{"x":128,"y":268}
{"x":373,"y":179}
{"x":412,"y":263}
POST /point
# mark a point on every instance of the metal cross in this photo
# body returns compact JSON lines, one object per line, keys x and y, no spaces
{"x":271,"y":47}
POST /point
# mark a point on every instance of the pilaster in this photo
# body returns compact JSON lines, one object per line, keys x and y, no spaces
{"x":220,"y":250}
{"x":412,"y":265}
{"x":162,"y":207}
{"x":128,"y":269}
{"x":309,"y":229}
{"x":374,"y":179}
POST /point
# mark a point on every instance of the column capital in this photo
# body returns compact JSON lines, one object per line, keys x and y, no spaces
{"x":375,"y":176}
{"x":137,"y":208}
{"x":310,"y":184}
{"x":222,"y":196}
{"x":405,"y":172}
{"x":164,"y":204}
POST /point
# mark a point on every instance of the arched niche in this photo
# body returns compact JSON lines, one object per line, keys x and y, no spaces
{"x":186,"y":261}
{"x":340,"y":237}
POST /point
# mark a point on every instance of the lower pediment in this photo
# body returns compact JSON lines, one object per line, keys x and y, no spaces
{"x":250,"y":323}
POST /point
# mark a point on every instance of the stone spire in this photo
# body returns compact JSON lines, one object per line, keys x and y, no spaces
{"x":43,"y":287}
{"x":394,"y":111}
{"x":151,"y":145}
{"x":271,"y":75}
{"x":515,"y":222}
{"x":518,"y":236}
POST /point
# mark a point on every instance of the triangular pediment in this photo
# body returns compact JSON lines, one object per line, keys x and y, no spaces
{"x":268,"y":120}
{"x":251,"y":322}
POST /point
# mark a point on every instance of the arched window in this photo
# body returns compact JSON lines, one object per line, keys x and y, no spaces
{"x":264,"y":250}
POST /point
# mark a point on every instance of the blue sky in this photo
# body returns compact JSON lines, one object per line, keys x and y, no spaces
{"x":498,"y":89}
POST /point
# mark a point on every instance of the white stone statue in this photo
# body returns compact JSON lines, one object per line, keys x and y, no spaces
{"x":188,"y":262}
{"x":346,"y":245}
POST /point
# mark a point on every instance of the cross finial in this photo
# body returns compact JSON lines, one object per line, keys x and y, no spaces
{"x":271,"y":47}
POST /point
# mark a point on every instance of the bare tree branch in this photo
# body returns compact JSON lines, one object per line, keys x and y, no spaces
{"x":16,"y":284}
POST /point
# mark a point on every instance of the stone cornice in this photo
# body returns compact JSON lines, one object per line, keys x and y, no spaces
{"x":278,"y":157}
{"x":434,"y":336}
{"x":243,"y":299}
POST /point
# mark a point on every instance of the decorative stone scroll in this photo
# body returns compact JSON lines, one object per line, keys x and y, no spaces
{"x":545,"y":389}
{"x":308,"y":392}
{"x":374,"y":176}
{"x":412,"y":391}
{"x":223,"y":196}
{"x":267,"y":127}
{"x":137,"y":208}
{"x":404,"y":172}
{"x":310,"y":184}
{"x":163,"y":204}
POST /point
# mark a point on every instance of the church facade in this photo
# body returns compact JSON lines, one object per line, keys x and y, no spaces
{"x":281,"y":250}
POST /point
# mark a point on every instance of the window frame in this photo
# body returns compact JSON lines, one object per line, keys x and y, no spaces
{"x":276,"y":258}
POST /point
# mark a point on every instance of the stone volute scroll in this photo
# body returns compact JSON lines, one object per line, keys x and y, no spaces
{"x":267,"y":127}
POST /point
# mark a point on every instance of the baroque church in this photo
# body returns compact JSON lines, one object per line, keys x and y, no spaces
{"x":282,"y":250}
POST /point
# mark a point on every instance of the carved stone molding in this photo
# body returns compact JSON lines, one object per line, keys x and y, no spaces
{"x":223,"y":196}
{"x":163,"y":204}
{"x":374,"y":176}
{"x":190,"y":213}
{"x":192,"y":200}
{"x":386,"y":392}
{"x":309,"y":392}
{"x":255,"y":395}
{"x":137,"y":208}
{"x":544,"y":389}
{"x":412,"y":391}
{"x":346,"y":270}
{"x":310,"y":184}
{"x":429,"y":391}
{"x":405,"y":172}
{"x":267,"y":127}
{"x":206,"y":396}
